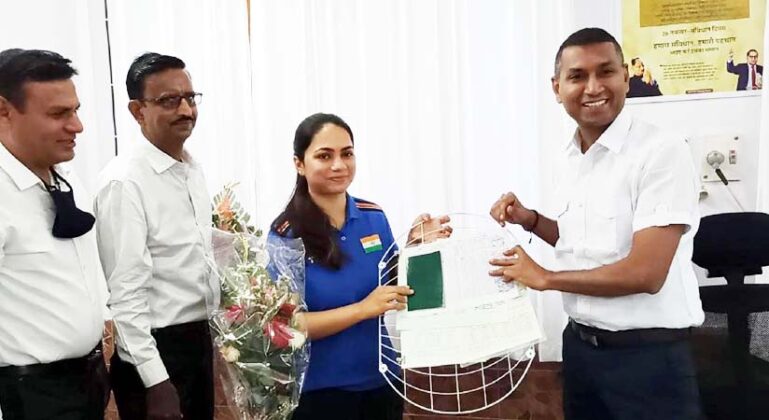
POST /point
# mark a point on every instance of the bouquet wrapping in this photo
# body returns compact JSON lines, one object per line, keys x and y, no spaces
{"x":258,"y":325}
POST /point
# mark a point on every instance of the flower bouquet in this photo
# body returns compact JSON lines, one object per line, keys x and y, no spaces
{"x":258,"y":327}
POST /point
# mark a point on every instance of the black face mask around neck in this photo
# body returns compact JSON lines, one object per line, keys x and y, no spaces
{"x":70,"y":221}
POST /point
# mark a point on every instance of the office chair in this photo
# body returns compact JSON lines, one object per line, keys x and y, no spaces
{"x":733,"y":245}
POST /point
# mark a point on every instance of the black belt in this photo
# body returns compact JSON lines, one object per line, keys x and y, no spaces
{"x":61,"y":367}
{"x":597,"y":337}
{"x":188,"y":329}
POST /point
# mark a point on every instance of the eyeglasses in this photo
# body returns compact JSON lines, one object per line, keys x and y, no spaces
{"x":752,"y":56}
{"x":173,"y":101}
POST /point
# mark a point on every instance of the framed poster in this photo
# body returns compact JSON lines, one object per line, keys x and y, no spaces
{"x":693,"y":49}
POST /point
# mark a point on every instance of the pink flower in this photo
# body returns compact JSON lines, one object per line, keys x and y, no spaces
{"x":235,"y":313}
{"x":224,"y":210}
{"x":279,"y":333}
{"x":287,"y":310}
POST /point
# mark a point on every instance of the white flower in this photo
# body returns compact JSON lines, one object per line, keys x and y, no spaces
{"x":230,"y":354}
{"x":297,"y":340}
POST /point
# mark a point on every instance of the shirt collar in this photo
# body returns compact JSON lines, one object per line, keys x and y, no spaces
{"x":22,"y":176}
{"x":353,"y":212}
{"x":159,"y":160}
{"x":614,"y":136}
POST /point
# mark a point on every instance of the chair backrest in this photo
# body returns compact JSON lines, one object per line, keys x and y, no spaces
{"x":732,"y":244}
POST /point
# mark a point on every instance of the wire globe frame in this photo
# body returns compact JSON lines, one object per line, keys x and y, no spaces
{"x":449,"y":389}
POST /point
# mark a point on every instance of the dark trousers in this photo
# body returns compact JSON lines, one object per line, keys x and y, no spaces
{"x":336,"y":404}
{"x":647,"y":381}
{"x":187,"y":354}
{"x":74,"y":389}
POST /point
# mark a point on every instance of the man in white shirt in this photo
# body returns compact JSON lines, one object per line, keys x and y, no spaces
{"x":623,"y":236}
{"x":153,"y":225}
{"x":52,"y":294}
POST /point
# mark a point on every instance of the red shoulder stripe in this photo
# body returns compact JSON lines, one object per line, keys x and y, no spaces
{"x":284,"y":227}
{"x":367,"y":206}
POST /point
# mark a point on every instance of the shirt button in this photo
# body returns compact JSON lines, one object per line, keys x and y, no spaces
{"x":344,"y":238}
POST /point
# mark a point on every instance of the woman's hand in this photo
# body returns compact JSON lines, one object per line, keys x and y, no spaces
{"x":426,"y":228}
{"x":383,"y":299}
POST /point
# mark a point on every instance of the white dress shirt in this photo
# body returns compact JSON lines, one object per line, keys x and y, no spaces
{"x":153,"y":224}
{"x":634,"y":177}
{"x":52,"y":291}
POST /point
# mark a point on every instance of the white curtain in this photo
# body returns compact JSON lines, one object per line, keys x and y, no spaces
{"x":392,"y":69}
{"x":449,"y":101}
{"x":74,"y":29}
{"x":212,"y":38}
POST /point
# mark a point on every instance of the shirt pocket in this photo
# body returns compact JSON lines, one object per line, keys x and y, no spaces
{"x":605,"y":222}
{"x":28,"y":254}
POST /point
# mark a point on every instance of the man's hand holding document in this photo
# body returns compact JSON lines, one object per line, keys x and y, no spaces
{"x":459,"y":313}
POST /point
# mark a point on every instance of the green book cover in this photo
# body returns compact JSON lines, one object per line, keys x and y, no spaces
{"x":425,"y":277}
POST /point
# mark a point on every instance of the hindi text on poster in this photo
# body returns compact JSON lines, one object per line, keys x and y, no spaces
{"x":669,"y":12}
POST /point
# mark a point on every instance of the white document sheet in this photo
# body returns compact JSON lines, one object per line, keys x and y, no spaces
{"x":512,"y":325}
{"x":466,"y":280}
{"x":482,"y":316}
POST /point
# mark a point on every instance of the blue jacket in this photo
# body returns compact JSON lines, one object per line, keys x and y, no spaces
{"x":348,"y":360}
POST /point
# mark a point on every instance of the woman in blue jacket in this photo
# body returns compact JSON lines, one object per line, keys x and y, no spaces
{"x":344,"y":238}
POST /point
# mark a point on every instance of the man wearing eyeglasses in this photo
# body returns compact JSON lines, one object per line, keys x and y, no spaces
{"x":52,"y":294}
{"x":153,"y":225}
{"x":749,"y":74}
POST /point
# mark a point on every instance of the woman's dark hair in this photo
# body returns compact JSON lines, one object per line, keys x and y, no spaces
{"x":305,"y":219}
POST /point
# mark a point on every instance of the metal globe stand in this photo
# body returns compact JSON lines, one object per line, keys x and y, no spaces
{"x":449,"y":389}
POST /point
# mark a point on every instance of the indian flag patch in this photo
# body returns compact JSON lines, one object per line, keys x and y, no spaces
{"x":371,"y":243}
